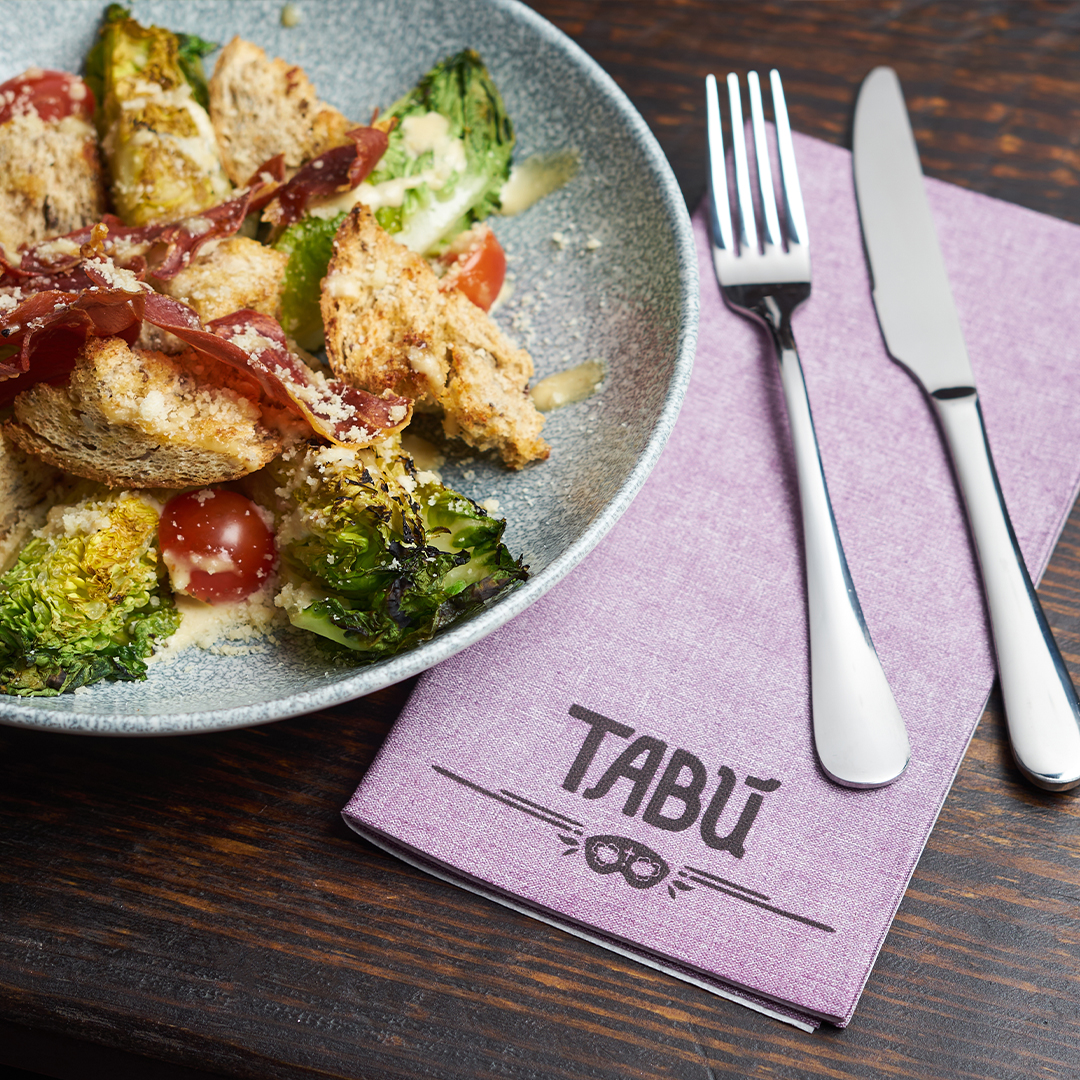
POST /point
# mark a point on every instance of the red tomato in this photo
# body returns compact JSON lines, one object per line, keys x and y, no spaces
{"x":477,"y":266}
{"x":216,"y":545}
{"x":51,"y":94}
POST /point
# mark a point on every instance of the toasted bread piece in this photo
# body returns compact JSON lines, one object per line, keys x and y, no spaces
{"x":237,"y":273}
{"x":142,"y":419}
{"x":25,"y":486}
{"x":389,"y":327}
{"x":261,"y":108}
{"x":50,"y":178}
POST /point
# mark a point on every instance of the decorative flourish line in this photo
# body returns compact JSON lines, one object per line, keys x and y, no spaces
{"x":548,"y":816}
{"x":537,"y":806}
{"x":724,"y":881}
{"x":760,"y":904}
{"x":691,"y":873}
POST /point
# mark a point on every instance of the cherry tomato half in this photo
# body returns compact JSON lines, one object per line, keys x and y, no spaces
{"x":477,"y":266}
{"x":216,"y":545}
{"x":51,"y":94}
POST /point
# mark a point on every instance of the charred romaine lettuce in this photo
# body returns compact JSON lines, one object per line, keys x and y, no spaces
{"x":377,"y":556}
{"x":448,"y":158}
{"x":162,"y":155}
{"x":85,"y":600}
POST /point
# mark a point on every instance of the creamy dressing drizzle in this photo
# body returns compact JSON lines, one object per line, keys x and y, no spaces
{"x":537,"y":176}
{"x":566,"y":387}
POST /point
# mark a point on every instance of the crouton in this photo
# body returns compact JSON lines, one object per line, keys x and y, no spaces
{"x":50,"y":178}
{"x":388,"y":327}
{"x":139,"y":419}
{"x":237,"y":273}
{"x":261,"y":108}
{"x":25,"y":486}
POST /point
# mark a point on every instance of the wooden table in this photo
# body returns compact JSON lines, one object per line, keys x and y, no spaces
{"x":194,"y":906}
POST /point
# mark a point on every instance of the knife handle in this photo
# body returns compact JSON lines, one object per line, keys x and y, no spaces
{"x":859,"y":734}
{"x":1041,"y":706}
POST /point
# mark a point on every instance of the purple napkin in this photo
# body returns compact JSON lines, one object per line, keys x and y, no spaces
{"x":631,"y":758}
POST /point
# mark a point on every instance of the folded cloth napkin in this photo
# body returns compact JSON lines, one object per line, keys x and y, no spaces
{"x":631,"y":758}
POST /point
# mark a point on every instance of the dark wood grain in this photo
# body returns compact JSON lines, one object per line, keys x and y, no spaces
{"x":194,"y":906}
{"x":993,"y":87}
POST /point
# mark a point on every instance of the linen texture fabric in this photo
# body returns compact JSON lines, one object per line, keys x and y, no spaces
{"x":631,"y":758}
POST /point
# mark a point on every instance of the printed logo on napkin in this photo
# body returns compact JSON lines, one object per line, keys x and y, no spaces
{"x":672,"y":833}
{"x":663,"y":790}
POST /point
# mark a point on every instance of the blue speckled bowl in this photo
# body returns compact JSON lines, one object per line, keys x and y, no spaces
{"x":632,"y":302}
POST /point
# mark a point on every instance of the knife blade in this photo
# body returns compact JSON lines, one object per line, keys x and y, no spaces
{"x":922,"y":331}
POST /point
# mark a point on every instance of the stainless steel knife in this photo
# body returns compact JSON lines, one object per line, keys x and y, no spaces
{"x":922,"y":331}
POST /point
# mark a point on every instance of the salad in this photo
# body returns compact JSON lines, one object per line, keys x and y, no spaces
{"x":169,"y":438}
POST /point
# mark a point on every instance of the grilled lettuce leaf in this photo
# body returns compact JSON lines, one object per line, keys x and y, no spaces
{"x":448,"y":158}
{"x":377,"y":556}
{"x":309,"y":243}
{"x":160,"y":149}
{"x":85,"y":600}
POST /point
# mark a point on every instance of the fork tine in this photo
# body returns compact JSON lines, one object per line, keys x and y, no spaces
{"x":789,"y":176}
{"x":718,"y":187}
{"x":748,"y":241}
{"x":764,"y":167}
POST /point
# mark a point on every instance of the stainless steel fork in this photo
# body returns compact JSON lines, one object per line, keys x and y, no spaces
{"x":859,"y":734}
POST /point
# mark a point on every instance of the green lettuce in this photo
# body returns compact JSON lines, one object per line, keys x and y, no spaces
{"x":159,"y":145}
{"x":431,"y":214}
{"x":85,"y":600}
{"x":378,"y":557}
{"x":471,"y":162}
{"x":309,"y":243}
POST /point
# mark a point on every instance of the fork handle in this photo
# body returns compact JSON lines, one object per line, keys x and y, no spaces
{"x":859,"y":734}
{"x":1041,"y":705}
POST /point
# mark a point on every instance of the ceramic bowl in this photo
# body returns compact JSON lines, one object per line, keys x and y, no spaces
{"x":603,"y":268}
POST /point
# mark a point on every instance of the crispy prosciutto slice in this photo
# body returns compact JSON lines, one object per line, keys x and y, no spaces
{"x":174,"y":245}
{"x":336,"y":170}
{"x":42,"y":334}
{"x":255,"y":343}
{"x":45,"y":332}
{"x":160,"y":251}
